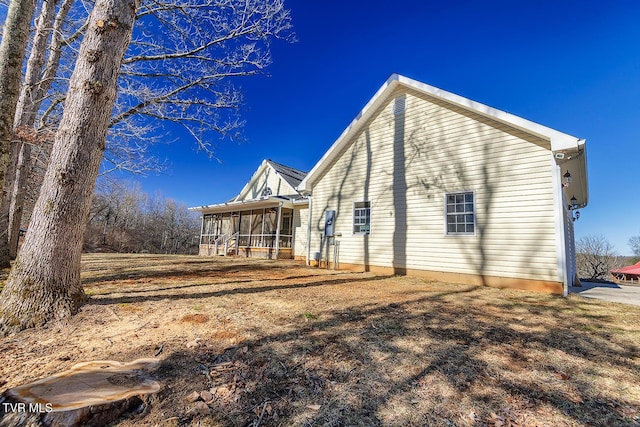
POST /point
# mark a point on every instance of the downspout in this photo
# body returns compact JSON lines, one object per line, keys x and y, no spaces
{"x":309,"y":229}
{"x":560,"y":214}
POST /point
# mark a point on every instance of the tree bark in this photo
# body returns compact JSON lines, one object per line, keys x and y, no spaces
{"x":12,"y":50}
{"x":16,"y":206}
{"x":45,"y":282}
{"x":37,"y":82}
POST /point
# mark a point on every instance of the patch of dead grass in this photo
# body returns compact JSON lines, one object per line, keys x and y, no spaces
{"x":278,"y":344}
{"x":195,"y":318}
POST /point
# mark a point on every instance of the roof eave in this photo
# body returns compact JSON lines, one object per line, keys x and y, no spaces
{"x":305,"y":187}
{"x":255,"y":176}
{"x":243,"y":204}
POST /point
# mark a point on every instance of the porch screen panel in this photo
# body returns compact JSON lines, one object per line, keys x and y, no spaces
{"x":245,"y":228}
{"x":208,"y":228}
{"x":225,"y":224}
{"x":235,"y":222}
{"x":270,"y":221}
{"x":256,"y":227}
{"x":285,"y":228}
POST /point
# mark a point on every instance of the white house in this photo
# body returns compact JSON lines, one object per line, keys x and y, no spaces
{"x":263,"y":220}
{"x":429,"y":183}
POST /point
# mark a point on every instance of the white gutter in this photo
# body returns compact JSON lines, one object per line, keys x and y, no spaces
{"x":309,"y":229}
{"x":262,"y":202}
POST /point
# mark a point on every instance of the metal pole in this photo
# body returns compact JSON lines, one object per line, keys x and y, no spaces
{"x":202,"y":236}
{"x":327,"y":243}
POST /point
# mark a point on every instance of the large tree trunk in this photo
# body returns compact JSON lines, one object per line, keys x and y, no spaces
{"x":14,"y":43}
{"x":45,"y":281}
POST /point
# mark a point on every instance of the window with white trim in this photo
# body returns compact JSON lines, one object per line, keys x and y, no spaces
{"x":362,"y":218}
{"x":460,"y":213}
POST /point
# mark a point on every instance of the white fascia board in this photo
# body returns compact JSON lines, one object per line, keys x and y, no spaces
{"x":559,"y":141}
{"x":576,"y":165}
{"x":306,"y":186}
{"x":585,"y":181}
{"x":264,"y":165}
{"x":244,"y":204}
{"x":255,"y":176}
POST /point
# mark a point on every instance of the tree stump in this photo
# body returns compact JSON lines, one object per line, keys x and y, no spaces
{"x":89,"y":394}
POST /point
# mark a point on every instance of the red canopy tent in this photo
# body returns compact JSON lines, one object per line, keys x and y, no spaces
{"x":630,"y":274}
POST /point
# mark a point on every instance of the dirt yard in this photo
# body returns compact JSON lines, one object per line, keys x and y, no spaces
{"x":278,"y":344}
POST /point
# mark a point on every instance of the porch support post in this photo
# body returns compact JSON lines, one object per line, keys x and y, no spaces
{"x":202,"y":236}
{"x":278,"y":230}
{"x":262,"y":239}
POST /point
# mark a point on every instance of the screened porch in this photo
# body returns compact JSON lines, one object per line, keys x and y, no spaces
{"x":265,"y":232}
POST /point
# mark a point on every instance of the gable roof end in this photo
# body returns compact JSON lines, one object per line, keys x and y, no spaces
{"x":289,"y":174}
{"x":560,"y":142}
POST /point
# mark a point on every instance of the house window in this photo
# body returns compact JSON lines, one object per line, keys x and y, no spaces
{"x":361,"y":217}
{"x":460,"y":213}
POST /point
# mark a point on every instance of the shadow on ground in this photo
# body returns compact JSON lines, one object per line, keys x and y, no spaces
{"x":438,"y":359}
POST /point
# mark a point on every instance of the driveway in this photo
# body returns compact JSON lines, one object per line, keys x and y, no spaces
{"x":608,"y":292}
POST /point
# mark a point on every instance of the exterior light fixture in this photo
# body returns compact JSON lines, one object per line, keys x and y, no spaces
{"x":567,"y":179}
{"x":573,"y":207}
{"x":574,"y":203}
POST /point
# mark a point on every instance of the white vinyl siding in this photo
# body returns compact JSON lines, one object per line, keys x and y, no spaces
{"x":300,"y":221}
{"x":405,"y":164}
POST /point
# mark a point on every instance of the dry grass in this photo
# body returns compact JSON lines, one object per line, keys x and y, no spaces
{"x":278,"y":344}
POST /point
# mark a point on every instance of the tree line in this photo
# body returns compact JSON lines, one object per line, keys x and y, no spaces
{"x":123,"y":218}
{"x":596,"y":256}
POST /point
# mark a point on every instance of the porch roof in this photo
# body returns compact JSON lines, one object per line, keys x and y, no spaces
{"x":243,"y":205}
{"x":631,"y":269}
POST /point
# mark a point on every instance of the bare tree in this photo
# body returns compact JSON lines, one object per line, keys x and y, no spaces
{"x":45,"y":281}
{"x":40,"y":73}
{"x":595,"y":257}
{"x":179,"y":64}
{"x":26,"y":108}
{"x":177,"y":72}
{"x":634,"y":242}
{"x":12,"y":50}
{"x":125,"y":219}
{"x":115,"y":214}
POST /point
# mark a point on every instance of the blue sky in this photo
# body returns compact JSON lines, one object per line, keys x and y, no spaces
{"x":570,"y":65}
